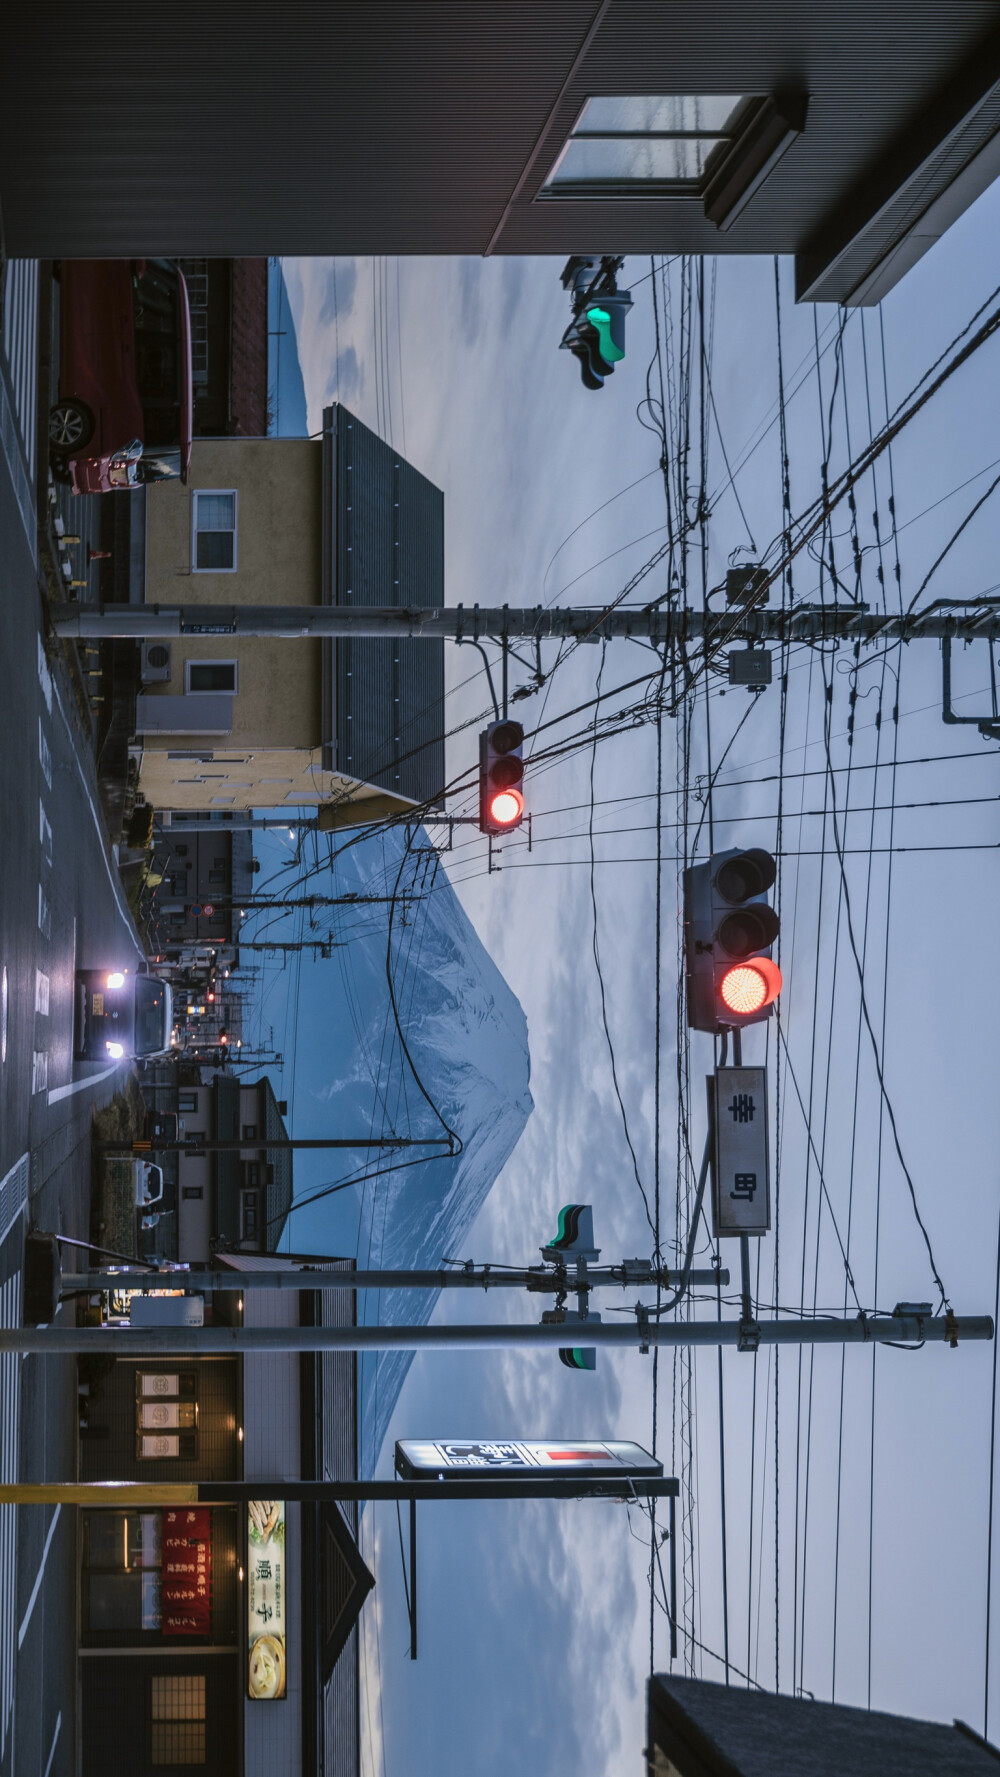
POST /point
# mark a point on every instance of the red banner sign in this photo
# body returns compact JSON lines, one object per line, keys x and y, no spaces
{"x":186,"y":1573}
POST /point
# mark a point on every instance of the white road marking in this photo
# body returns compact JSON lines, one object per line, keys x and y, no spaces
{"x":112,"y":874}
{"x":36,"y":1588}
{"x":44,"y":913}
{"x":58,"y":1093}
{"x":52,"y":1748}
{"x":10,"y":1389}
{"x":41,"y":993}
{"x":13,"y":1195}
{"x":44,"y":832}
{"x":40,"y":1071}
{"x":44,"y":756}
{"x":44,"y":676}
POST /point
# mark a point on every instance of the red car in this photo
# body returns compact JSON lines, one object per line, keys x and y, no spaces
{"x":123,"y":416}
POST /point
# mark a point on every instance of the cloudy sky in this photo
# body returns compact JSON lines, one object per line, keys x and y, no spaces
{"x":535,"y":1619}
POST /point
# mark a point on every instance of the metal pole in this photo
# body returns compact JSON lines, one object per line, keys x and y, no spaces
{"x":910,"y":1328}
{"x":186,"y":1493}
{"x":413,"y":1579}
{"x":673,"y":1579}
{"x":960,"y":618}
{"x":234,"y":1144}
{"x":745,"y":1297}
{"x":547,"y":1281}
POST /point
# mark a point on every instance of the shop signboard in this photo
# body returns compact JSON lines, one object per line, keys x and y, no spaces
{"x":266,"y":1600}
{"x":186,"y":1571}
{"x":445,"y":1458}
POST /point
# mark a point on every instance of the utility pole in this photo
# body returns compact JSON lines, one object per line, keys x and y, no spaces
{"x":958,"y":619}
{"x":911,"y":1324}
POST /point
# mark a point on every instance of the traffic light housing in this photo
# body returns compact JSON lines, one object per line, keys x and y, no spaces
{"x":729,"y":928}
{"x":501,"y":771}
{"x":596,"y":334}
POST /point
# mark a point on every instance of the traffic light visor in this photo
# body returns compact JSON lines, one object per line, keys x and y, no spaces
{"x":749,"y":987}
{"x":748,"y":873}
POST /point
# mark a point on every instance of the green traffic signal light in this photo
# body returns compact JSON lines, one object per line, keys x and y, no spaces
{"x":600,"y":320}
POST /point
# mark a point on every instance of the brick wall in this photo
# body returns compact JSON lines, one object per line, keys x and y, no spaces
{"x":248,"y":375}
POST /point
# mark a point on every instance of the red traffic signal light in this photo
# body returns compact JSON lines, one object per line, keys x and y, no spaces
{"x":729,"y":927}
{"x":501,"y":770}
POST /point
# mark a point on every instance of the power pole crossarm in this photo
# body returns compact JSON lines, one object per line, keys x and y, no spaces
{"x":658,"y":624}
{"x":547,"y":1281}
{"x":911,"y":1328}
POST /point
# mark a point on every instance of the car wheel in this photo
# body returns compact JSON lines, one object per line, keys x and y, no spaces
{"x":71,"y":425}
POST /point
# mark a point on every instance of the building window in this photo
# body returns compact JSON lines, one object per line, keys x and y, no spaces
{"x":187,"y":1102}
{"x":249,"y":1132}
{"x":192,"y":1193}
{"x":211,"y":675}
{"x":718,"y":147}
{"x":217,"y":876}
{"x":213,"y":524}
{"x":250,"y":1204}
{"x":181,"y":851}
{"x":652,"y":143}
{"x":177,"y":1709}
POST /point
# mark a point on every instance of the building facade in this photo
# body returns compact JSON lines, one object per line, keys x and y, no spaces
{"x":250,"y":725}
{"x":228,"y":300}
{"x":173,"y":1601}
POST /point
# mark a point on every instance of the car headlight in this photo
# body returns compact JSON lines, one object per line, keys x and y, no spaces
{"x":115,"y":980}
{"x":115,"y":1050}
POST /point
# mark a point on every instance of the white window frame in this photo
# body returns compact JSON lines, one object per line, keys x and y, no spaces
{"x":231,"y":493}
{"x":196,"y":691}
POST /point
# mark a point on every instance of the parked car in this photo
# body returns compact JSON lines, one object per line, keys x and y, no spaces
{"x":123,"y":416}
{"x":147,"y":1183}
{"x":119,"y":1014}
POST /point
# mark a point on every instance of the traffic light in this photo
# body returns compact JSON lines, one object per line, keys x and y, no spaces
{"x":596,"y":334}
{"x":729,"y":928}
{"x":501,"y":769}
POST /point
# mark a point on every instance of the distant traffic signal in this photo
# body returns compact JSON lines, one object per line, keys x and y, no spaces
{"x":501,"y":770}
{"x":729,"y":928}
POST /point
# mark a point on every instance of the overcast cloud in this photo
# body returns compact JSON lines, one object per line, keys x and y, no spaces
{"x":535,"y":1619}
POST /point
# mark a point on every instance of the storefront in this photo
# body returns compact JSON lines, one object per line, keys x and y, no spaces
{"x":221,"y":1637}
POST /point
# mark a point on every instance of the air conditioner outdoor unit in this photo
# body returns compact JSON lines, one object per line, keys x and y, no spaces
{"x":155,"y":662}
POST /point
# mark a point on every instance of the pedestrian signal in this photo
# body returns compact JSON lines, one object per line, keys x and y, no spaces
{"x":501,"y":770}
{"x":729,"y":928}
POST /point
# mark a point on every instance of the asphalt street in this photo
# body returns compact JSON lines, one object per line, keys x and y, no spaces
{"x":61,"y":907}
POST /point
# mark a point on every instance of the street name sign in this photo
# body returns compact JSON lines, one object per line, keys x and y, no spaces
{"x":741,"y":1196}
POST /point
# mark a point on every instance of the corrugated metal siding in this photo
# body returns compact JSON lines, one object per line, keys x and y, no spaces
{"x":271,"y":1447}
{"x":388,"y":550}
{"x":429,"y":115}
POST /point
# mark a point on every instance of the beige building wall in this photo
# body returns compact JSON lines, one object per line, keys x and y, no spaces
{"x":272,"y":756}
{"x":278,"y":540}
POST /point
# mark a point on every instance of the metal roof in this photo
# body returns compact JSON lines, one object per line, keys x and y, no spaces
{"x":714,"y":1730}
{"x":391,"y":128}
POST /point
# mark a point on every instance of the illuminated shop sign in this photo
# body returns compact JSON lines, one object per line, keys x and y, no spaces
{"x":266,"y":1599}
{"x":186,"y":1571}
{"x":422,"y":1459}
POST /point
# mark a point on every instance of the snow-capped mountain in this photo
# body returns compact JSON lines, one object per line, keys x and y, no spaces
{"x":468,"y":1048}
